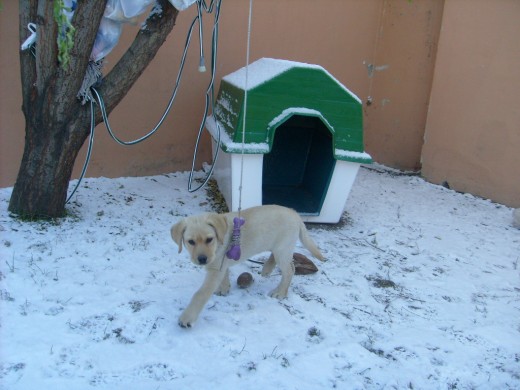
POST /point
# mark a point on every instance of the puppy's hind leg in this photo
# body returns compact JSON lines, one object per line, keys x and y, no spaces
{"x":268,"y":266}
{"x":285,"y":262}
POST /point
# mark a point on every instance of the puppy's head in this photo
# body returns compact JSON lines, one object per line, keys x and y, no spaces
{"x":201,"y":235}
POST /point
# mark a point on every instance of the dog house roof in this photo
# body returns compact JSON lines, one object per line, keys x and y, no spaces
{"x":277,"y":90}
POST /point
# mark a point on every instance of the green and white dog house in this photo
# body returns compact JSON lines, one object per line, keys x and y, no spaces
{"x":303,"y":141}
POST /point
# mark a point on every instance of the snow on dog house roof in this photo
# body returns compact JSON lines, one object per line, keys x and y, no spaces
{"x":277,"y":90}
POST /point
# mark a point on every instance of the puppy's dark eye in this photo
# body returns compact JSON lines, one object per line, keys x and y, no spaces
{"x":208,"y":240}
{"x":191,"y":242}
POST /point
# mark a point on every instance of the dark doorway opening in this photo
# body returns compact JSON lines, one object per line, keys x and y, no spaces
{"x":297,"y":171}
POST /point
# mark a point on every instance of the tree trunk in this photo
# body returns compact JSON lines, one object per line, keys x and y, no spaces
{"x":49,"y":154}
{"x":57,"y":124}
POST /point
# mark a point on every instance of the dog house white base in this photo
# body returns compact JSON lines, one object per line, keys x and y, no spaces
{"x":227,"y":174}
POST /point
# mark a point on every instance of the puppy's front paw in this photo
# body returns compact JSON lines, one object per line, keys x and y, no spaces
{"x":186,"y":320}
{"x":184,"y":324}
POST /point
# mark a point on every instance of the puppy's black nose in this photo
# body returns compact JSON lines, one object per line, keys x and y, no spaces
{"x":202,"y":259}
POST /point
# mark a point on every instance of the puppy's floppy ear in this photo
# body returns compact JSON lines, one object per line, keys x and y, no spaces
{"x":219,"y":223}
{"x":177,"y":232}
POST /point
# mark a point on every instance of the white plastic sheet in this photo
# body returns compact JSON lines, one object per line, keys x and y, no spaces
{"x":106,"y":38}
{"x":181,"y":5}
{"x":117,"y":12}
{"x":125,"y":11}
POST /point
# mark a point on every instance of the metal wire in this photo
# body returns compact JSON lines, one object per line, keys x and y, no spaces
{"x":89,"y":150}
{"x":101,"y":103}
{"x":209,"y":102}
{"x":209,"y":98}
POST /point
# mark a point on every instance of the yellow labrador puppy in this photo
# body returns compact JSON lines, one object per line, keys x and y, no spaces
{"x":211,"y":241}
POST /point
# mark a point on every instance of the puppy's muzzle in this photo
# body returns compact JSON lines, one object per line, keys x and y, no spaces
{"x":202,"y":259}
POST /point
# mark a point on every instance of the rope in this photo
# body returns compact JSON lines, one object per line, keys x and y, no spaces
{"x":93,"y":77}
{"x":245,"y":107}
{"x":234,"y":251}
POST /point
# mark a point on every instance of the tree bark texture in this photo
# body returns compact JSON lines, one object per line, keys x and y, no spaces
{"x":56,"y":123}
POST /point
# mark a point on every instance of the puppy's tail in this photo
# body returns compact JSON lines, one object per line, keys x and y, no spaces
{"x":309,"y":243}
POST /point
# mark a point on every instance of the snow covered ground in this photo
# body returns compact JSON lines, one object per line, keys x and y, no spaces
{"x":421,"y":291}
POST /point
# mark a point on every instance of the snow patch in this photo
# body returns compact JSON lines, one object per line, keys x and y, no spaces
{"x":299,"y":111}
{"x":230,"y":145}
{"x":265,"y":69}
{"x":420,"y":291}
{"x":352,"y":154}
